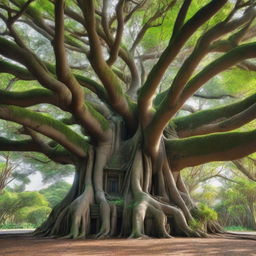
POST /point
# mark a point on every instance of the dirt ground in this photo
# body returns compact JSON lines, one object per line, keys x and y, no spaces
{"x":26,"y":245}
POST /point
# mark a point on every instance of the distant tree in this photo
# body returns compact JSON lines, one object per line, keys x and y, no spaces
{"x":15,"y":207}
{"x":56,"y":192}
{"x":238,"y":203}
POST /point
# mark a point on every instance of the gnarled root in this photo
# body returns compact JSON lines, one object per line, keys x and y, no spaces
{"x":79,"y":214}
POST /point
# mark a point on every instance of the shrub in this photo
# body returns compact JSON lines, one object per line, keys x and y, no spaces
{"x":38,"y":216}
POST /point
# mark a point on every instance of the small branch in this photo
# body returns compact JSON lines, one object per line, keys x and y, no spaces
{"x":160,"y":12}
{"x":214,"y":97}
{"x":11,"y":20}
{"x":181,"y":17}
{"x":119,"y":33}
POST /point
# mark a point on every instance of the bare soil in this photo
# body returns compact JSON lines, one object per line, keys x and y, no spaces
{"x":26,"y":245}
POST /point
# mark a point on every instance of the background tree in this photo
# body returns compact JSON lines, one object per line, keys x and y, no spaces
{"x":85,"y":59}
{"x":21,"y":207}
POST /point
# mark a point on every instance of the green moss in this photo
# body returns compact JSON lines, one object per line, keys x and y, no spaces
{"x":102,"y":120}
{"x":204,"y":213}
{"x":207,"y":116}
{"x":207,"y":144}
{"x":26,"y":94}
{"x":15,"y":70}
{"x":40,"y":119}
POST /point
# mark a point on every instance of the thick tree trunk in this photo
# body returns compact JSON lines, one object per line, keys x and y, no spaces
{"x":152,"y":200}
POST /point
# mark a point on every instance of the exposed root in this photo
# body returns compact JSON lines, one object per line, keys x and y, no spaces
{"x":156,"y":202}
{"x":79,"y":212}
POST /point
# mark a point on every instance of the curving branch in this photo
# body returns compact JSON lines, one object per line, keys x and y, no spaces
{"x":217,"y":147}
{"x":101,"y":68}
{"x":63,"y":71}
{"x":231,"y":123}
{"x":168,"y":109}
{"x":12,"y":51}
{"x":47,"y":126}
{"x":28,"y":98}
{"x":57,"y":155}
{"x":149,"y":23}
{"x":185,"y":126}
{"x":201,"y":49}
{"x":188,"y":29}
{"x":119,"y":33}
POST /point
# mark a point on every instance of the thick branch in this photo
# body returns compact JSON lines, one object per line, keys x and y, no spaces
{"x":223,"y":147}
{"x":175,"y":44}
{"x":28,"y":98}
{"x":231,"y":123}
{"x":14,"y":52}
{"x":62,"y":67}
{"x":104,"y":72}
{"x":47,"y":126}
{"x":167,"y":110}
{"x":185,"y":125}
{"x":60,"y":156}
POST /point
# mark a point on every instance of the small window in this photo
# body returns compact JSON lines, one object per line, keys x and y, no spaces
{"x":113,"y":184}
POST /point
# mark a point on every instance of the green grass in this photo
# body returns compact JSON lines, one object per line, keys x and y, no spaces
{"x":17,"y":226}
{"x":237,"y":228}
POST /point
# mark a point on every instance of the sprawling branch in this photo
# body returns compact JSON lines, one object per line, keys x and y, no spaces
{"x":201,"y":49}
{"x":47,"y":126}
{"x":120,"y":28}
{"x":104,"y":72}
{"x":172,"y":50}
{"x":14,"y":52}
{"x":63,"y":71}
{"x":168,"y":109}
{"x":231,"y":123}
{"x":28,"y":98}
{"x":185,"y":126}
{"x":160,"y":12}
{"x":91,"y":124}
{"x":60,"y":156}
{"x":223,"y":147}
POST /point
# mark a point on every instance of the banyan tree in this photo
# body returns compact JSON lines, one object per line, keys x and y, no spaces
{"x":105,"y":85}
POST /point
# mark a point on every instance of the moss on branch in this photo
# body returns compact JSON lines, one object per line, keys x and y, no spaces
{"x":216,"y":147}
{"x":18,"y":71}
{"x":28,"y":98}
{"x":47,"y":126}
{"x":211,"y":115}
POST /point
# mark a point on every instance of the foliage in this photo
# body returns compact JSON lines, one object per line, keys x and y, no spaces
{"x":237,"y":206}
{"x":203,"y":213}
{"x":55,"y":192}
{"x":23,"y":207}
{"x":11,"y":225}
{"x":237,"y":228}
{"x":38,"y":215}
